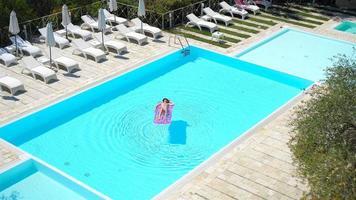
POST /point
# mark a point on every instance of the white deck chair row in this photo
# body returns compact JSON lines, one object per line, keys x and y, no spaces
{"x":87,"y":50}
{"x":110,"y":43}
{"x":195,"y":21}
{"x":217,"y":16}
{"x":75,"y":30}
{"x":92,"y":24}
{"x":35,"y":68}
{"x":264,"y":3}
{"x":25,"y":46}
{"x":131,"y":34}
{"x":61,"y":61}
{"x":154,"y":31}
{"x":111,"y":18}
{"x":60,"y":41}
{"x":245,"y":5}
{"x":226,"y":8}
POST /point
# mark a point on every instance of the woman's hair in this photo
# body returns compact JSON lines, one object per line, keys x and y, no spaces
{"x":165,"y":99}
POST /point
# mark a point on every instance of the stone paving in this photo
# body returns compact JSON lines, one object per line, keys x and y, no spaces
{"x":257,"y":167}
{"x":9,"y":155}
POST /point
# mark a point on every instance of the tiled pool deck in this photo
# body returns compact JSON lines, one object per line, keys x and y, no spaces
{"x":258,"y":167}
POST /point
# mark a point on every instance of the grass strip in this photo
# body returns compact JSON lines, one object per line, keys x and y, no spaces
{"x":241,"y":28}
{"x":289,"y":21}
{"x":234,"y":33}
{"x":268,"y":22}
{"x":304,"y":14}
{"x":250,"y":24}
{"x":292,"y":16}
{"x":194,"y":37}
{"x":207,"y":33}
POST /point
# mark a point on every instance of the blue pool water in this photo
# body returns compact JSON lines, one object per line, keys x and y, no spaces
{"x":33,"y":181}
{"x":105,"y":136}
{"x":347,"y":26}
{"x":297,"y":53}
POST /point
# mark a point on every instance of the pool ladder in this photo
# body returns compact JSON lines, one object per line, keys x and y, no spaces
{"x":185,"y":49}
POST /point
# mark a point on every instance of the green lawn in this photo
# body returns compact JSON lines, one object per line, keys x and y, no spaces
{"x":241,"y":28}
{"x":263,"y":21}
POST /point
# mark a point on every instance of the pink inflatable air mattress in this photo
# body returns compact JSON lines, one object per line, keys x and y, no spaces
{"x":165,"y":119}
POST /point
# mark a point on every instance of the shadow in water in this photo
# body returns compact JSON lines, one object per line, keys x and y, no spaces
{"x":178,"y":132}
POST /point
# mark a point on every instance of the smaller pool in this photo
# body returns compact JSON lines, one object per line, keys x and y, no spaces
{"x":347,"y":26}
{"x":32,"y":180}
{"x":298,"y":53}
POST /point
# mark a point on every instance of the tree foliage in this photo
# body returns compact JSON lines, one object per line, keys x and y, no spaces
{"x":324,"y":144}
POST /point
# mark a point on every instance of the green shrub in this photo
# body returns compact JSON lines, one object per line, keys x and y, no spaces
{"x":324,"y":145}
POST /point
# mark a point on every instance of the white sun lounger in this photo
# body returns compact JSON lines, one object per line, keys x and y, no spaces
{"x":61,"y":61}
{"x":12,"y":84}
{"x":36,"y":68}
{"x":7,"y":58}
{"x":110,"y":43}
{"x":195,"y":21}
{"x":241,"y":4}
{"x":131,"y":34}
{"x":75,"y":30}
{"x":226,"y":8}
{"x":154,"y":31}
{"x":60,"y":41}
{"x":264,"y":3}
{"x":111,"y":18}
{"x":217,"y":16}
{"x":26,"y":46}
{"x":87,"y":50}
{"x":89,"y":22}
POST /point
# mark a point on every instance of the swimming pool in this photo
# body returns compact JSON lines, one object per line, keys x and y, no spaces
{"x":297,"y":53}
{"x":105,"y":136}
{"x":33,"y":180}
{"x":347,"y":26}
